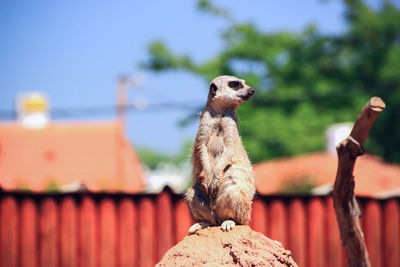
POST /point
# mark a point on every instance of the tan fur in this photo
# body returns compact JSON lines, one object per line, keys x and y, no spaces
{"x":223,"y":184}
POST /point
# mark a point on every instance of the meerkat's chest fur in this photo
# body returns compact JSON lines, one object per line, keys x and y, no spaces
{"x":215,"y":144}
{"x":219,"y":134}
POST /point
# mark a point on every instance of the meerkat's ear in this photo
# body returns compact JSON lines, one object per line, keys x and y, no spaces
{"x":211,"y":93}
{"x":213,"y":90}
{"x":213,"y":87}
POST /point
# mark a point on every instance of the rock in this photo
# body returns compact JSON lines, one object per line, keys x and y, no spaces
{"x":241,"y":246}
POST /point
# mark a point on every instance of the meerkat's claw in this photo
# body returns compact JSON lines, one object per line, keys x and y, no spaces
{"x":197,"y":226}
{"x":227,"y":225}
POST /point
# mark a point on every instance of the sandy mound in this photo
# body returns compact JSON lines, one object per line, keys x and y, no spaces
{"x":241,"y":246}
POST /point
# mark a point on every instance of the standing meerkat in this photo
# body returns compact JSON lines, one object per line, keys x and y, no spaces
{"x":223,"y":184}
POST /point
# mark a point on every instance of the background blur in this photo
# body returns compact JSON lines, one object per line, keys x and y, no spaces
{"x":101,"y":100}
{"x":312,"y":65}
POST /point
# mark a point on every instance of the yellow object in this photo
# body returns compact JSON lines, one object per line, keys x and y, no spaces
{"x":34,"y":102}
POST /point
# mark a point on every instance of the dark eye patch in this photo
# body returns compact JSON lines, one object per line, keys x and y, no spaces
{"x":235,"y":85}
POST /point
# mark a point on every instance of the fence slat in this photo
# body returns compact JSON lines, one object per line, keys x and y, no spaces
{"x":391,"y":216}
{"x":316,"y":233}
{"x":68,"y":233}
{"x":259,"y":216}
{"x":278,"y":221}
{"x":373,"y":232}
{"x":29,"y":233}
{"x":334,"y":253}
{"x":164,"y":221}
{"x":88,"y":240}
{"x":146,"y":232}
{"x":128,"y":238}
{"x":108,"y":233}
{"x":49,"y":239}
{"x":182,"y":220}
{"x":9,"y":232}
{"x":297,"y":231}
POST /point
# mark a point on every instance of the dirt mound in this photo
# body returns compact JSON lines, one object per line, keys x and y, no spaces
{"x":241,"y":246}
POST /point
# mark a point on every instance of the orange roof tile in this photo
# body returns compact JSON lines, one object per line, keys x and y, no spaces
{"x":95,"y":154}
{"x":373,"y":177}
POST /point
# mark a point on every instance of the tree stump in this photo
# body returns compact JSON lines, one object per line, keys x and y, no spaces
{"x":346,"y":207}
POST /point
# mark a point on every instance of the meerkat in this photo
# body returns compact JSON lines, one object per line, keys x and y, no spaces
{"x":223,"y":184}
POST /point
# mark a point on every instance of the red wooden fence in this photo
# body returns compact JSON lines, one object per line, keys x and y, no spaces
{"x":136,"y":230}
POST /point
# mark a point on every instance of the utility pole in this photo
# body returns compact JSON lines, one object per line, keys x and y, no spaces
{"x":124,"y":82}
{"x":122,"y":99}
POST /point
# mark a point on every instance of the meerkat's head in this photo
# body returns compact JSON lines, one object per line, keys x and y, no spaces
{"x":228,"y":90}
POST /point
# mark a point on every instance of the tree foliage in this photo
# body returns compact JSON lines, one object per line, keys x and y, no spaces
{"x":152,"y":158}
{"x":306,"y":81}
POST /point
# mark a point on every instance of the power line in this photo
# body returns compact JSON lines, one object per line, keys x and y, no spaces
{"x":111,"y":110}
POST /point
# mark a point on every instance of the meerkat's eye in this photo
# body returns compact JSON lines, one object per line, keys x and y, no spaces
{"x":235,"y":85}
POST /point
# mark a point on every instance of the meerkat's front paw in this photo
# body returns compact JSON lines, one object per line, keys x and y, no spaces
{"x":227,"y":225}
{"x":197,"y":226}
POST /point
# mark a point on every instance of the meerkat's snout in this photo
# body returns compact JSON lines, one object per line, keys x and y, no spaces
{"x":250,"y":92}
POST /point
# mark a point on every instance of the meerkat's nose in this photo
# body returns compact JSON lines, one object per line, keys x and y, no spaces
{"x":251,"y":91}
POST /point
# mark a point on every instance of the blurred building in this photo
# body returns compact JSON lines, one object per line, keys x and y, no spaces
{"x":37,"y":154}
{"x":315,"y":173}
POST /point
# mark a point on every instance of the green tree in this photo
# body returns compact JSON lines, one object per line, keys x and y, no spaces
{"x":306,"y":81}
{"x":152,"y":158}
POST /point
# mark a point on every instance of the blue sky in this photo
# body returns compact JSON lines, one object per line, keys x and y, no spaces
{"x":73,"y":51}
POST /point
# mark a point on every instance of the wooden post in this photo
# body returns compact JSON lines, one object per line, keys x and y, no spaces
{"x":346,"y":208}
